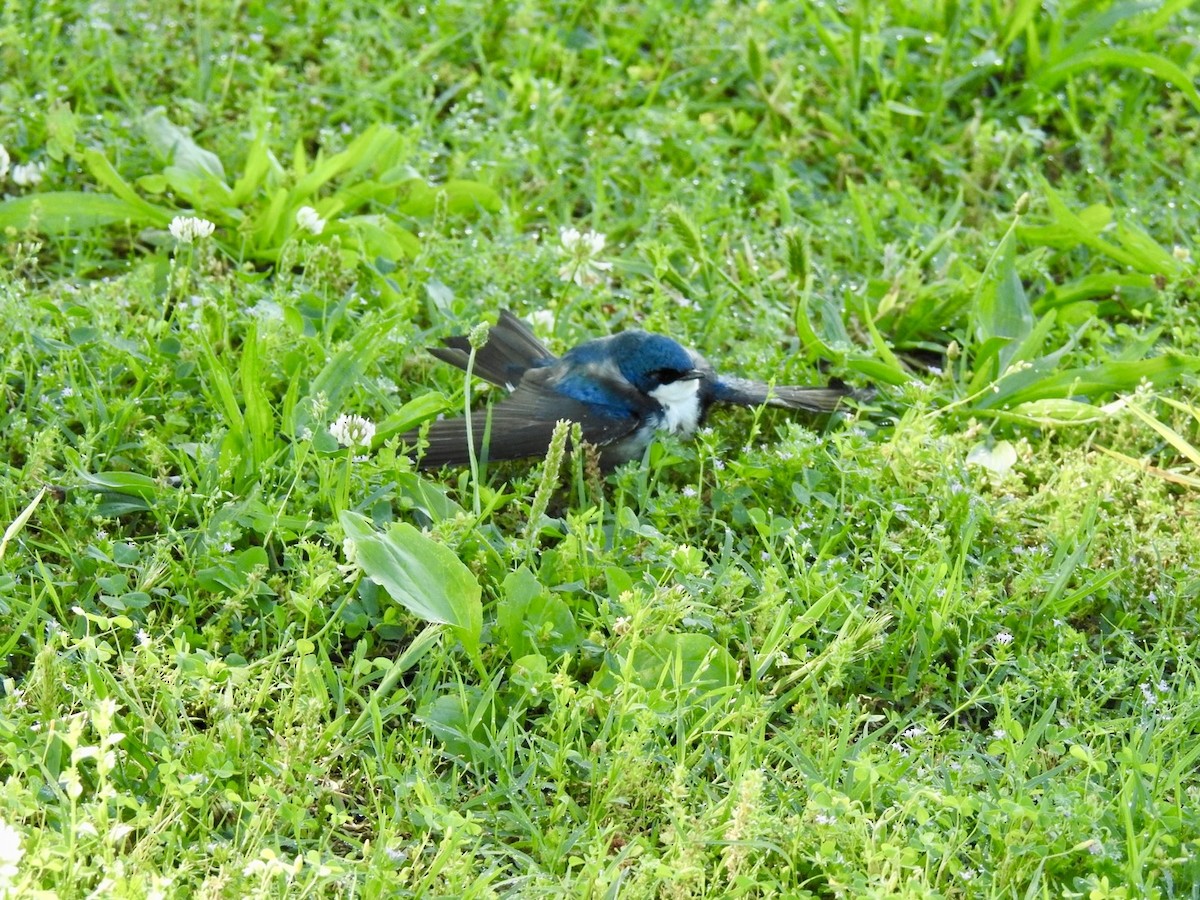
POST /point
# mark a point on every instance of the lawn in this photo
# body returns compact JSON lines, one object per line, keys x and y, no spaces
{"x":942,"y":643}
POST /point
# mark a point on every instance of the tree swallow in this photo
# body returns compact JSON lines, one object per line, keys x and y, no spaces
{"x":621,"y":390}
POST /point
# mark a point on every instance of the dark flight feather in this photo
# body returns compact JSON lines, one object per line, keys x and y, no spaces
{"x":510,"y":351}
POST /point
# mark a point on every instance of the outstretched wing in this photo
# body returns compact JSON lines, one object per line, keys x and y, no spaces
{"x":511,"y":350}
{"x":744,"y":392}
{"x":521,"y":425}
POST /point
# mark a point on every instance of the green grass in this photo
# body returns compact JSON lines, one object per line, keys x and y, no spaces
{"x":943,"y":646}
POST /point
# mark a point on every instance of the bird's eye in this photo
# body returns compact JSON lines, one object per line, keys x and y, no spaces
{"x":667,"y":376}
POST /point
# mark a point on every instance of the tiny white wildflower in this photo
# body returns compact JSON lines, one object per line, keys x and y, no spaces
{"x":719,"y":465}
{"x":353,"y":431}
{"x":4,"y":161}
{"x":582,"y":250}
{"x":824,"y":819}
{"x":143,"y":638}
{"x":1004,"y":639}
{"x":349,"y":568}
{"x":86,"y":829}
{"x":543,"y":320}
{"x":622,"y":624}
{"x":28,"y":174}
{"x":10,"y":854}
{"x":688,"y":491}
{"x":189,"y":229}
{"x":999,"y":734}
{"x":309,"y":220}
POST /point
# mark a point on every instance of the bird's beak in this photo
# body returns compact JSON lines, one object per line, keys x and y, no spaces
{"x":692,"y":375}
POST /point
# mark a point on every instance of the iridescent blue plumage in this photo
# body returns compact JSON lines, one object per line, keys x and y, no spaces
{"x":621,"y":390}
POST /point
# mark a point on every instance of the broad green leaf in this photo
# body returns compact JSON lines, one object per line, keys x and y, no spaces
{"x":1100,"y":284}
{"x":1050,"y":413}
{"x":1000,"y":311}
{"x":64,"y":212}
{"x":426,"y":496}
{"x":1071,"y":227}
{"x":1093,"y":382}
{"x":456,"y":720}
{"x":377,"y":235}
{"x":176,"y":146}
{"x":669,"y":664}
{"x":1122,"y":58}
{"x":104,"y":172}
{"x":811,"y":342}
{"x":463,"y":196}
{"x":61,"y":125}
{"x":121,"y":492}
{"x":412,"y":414}
{"x":878,"y":371}
{"x":363,"y":153}
{"x":423,"y":576}
{"x":259,"y":163}
{"x":535,"y":621}
{"x":271,"y":224}
{"x":131,"y":484}
{"x":1151,"y":256}
{"x":205,"y":192}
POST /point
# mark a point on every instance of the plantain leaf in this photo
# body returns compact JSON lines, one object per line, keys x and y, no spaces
{"x":423,"y":576}
{"x":63,"y":212}
{"x":175,"y":145}
{"x":1090,"y":382}
{"x":1122,"y":58}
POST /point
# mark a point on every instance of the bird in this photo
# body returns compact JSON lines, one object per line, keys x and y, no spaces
{"x":622,"y":390}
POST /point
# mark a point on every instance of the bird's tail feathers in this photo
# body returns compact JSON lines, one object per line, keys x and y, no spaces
{"x":788,"y":396}
{"x":510,"y":351}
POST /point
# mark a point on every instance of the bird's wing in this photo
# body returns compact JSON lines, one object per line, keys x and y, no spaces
{"x":744,"y":392}
{"x":521,"y":425}
{"x":511,"y":350}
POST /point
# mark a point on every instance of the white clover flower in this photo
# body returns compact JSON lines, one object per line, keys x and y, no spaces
{"x":582,"y":250}
{"x":189,"y":229}
{"x":4,"y":161}
{"x":353,"y":431}
{"x":10,"y":854}
{"x":542,"y":320}
{"x":308,"y":219}
{"x":28,"y":174}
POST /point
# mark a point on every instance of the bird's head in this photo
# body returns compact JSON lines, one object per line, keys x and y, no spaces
{"x":652,"y":361}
